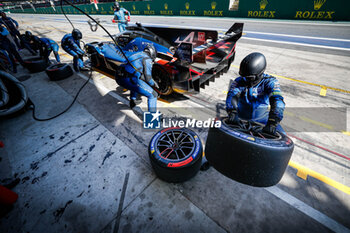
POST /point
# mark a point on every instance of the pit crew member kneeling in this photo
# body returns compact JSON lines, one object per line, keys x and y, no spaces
{"x":71,"y":44}
{"x":138,"y":77}
{"x":252,"y":93}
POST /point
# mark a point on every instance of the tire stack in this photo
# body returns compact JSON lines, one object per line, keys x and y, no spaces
{"x":55,"y":72}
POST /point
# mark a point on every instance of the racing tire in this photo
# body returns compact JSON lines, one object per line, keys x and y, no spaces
{"x":59,"y":71}
{"x":35,"y":64}
{"x":248,"y":158}
{"x":175,"y":154}
{"x":163,"y":79}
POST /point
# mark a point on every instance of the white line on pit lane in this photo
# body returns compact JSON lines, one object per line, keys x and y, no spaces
{"x":225,"y":29}
{"x":308,"y":210}
{"x":300,"y":44}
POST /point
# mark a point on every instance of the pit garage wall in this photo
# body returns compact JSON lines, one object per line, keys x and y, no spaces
{"x":334,"y":10}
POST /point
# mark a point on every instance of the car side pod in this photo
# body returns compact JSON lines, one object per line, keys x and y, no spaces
{"x":247,"y":155}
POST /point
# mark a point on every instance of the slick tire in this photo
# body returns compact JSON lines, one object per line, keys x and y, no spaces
{"x":35,"y":65}
{"x":175,"y":154}
{"x":246,"y":158}
{"x":59,"y":71}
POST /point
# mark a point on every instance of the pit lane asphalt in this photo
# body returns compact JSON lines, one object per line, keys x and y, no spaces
{"x":288,"y":62}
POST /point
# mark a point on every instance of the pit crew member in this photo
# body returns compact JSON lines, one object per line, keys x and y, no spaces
{"x":71,"y":44}
{"x":12,"y":27}
{"x":252,"y":93}
{"x":119,"y":17}
{"x":140,"y":81}
{"x":44,"y":45}
{"x":10,"y":48}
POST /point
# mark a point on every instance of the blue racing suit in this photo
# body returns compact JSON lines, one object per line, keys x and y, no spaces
{"x":139,"y":82}
{"x":10,"y":48}
{"x":47,"y":46}
{"x":72,"y":46}
{"x":119,"y":16}
{"x":252,"y":103}
{"x":12,"y":26}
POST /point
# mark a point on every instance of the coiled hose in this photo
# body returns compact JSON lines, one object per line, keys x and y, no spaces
{"x":14,"y":96}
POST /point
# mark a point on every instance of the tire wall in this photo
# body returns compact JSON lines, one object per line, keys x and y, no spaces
{"x":330,"y":10}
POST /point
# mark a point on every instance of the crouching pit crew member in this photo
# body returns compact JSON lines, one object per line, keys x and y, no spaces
{"x":71,"y":44}
{"x":44,"y":45}
{"x":139,"y":80}
{"x":252,"y":93}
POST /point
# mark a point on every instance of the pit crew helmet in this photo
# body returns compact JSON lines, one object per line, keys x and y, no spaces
{"x":28,"y":35}
{"x":252,"y":68}
{"x":116,"y":6}
{"x":77,"y":35}
{"x":151,"y":51}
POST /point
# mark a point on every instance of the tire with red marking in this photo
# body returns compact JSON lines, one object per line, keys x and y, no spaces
{"x":176,"y":154}
{"x":59,"y":71}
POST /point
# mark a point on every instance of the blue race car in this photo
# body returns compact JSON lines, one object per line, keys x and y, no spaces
{"x":187,"y":59}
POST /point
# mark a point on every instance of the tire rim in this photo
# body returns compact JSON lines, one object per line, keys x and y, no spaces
{"x":175,"y":145}
{"x":254,"y":130}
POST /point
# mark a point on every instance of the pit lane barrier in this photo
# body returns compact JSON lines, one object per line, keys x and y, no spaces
{"x":330,"y":10}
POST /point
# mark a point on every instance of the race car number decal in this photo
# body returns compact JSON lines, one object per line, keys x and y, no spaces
{"x":201,"y":36}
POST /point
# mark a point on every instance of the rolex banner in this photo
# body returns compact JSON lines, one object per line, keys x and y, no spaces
{"x":330,"y":10}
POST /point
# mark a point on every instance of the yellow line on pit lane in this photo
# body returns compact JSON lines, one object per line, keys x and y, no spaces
{"x":64,"y":54}
{"x":346,"y":133}
{"x":303,"y":172}
{"x":323,"y":125}
{"x":323,"y":87}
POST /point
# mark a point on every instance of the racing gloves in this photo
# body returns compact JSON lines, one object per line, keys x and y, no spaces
{"x":270,"y":127}
{"x":233,"y":117}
